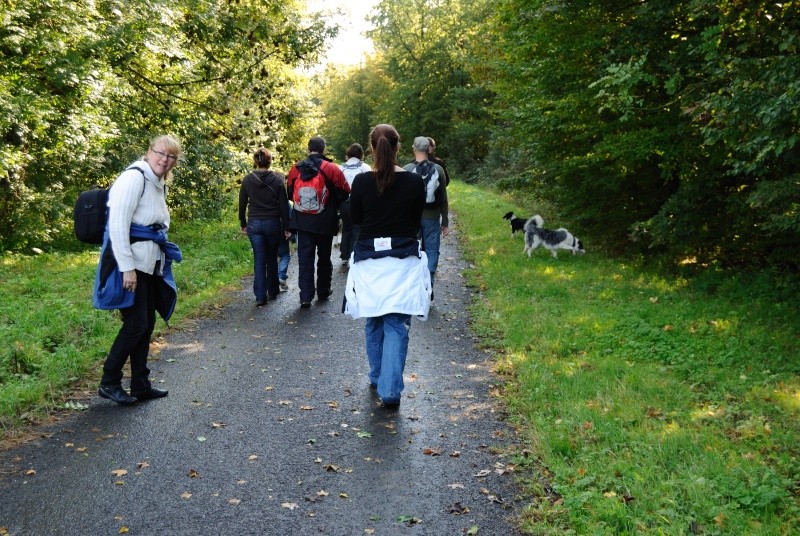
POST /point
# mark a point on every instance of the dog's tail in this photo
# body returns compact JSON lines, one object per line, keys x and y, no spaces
{"x":533,"y":223}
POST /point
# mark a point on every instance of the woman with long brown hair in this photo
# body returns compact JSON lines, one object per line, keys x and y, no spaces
{"x":388,"y":281}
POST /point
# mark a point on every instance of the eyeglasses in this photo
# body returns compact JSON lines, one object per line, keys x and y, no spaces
{"x":170,"y":157}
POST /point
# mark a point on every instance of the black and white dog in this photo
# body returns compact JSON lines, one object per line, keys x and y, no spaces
{"x":517,"y":224}
{"x":536,"y":236}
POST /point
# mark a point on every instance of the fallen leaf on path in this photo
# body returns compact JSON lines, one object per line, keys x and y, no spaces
{"x":458,"y":509}
{"x":201,"y":439}
{"x":123,"y":530}
{"x":332,"y":468}
{"x":30,"y":472}
{"x":502,"y":469}
{"x":218,"y":425}
{"x":473,"y":530}
{"x":369,"y":531}
{"x":323,"y":493}
{"x":290,"y":506}
{"x":81,"y":449}
{"x":456,"y":485}
{"x":69,"y":444}
{"x":344,"y":495}
{"x":252,"y":457}
{"x":306,"y":408}
{"x":432,"y":452}
{"x":119,"y":472}
{"x":364,"y":434}
{"x":142,"y":465}
{"x":455,"y":454}
{"x":185,"y":495}
{"x":409,"y":520}
{"x":482,"y":473}
{"x":193,"y":473}
{"x":234,"y":501}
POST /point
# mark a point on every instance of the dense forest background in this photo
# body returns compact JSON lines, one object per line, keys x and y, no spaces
{"x":668,"y":127}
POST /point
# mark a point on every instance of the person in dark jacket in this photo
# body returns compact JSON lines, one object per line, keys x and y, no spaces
{"x":315,"y":228}
{"x":263,"y":197}
{"x":138,"y":196}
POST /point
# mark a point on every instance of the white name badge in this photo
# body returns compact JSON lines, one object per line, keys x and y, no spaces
{"x":383,"y":244}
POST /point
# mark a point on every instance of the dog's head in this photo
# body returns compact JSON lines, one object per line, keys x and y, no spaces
{"x":580,"y":249}
{"x":508,"y":216}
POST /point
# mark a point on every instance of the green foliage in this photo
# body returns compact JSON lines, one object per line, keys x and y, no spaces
{"x":647,"y":404}
{"x":418,"y":81}
{"x":102,"y":78}
{"x":672,"y":124}
{"x":50,"y":336}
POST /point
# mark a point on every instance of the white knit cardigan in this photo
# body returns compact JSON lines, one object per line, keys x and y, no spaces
{"x":133,"y":199}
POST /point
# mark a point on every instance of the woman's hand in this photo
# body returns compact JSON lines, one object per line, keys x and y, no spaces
{"x":129,"y":280}
{"x":244,"y":230}
{"x":445,"y":231}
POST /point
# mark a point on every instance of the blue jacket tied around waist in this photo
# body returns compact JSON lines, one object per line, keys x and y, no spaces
{"x":108,"y":290}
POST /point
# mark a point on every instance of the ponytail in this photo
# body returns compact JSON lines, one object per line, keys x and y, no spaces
{"x":385,"y":142}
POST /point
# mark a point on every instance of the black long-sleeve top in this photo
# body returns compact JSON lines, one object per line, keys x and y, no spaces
{"x":395,"y":213}
{"x":263,"y":196}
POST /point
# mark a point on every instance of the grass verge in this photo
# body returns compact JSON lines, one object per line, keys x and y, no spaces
{"x":52,"y":339}
{"x":647,"y":403}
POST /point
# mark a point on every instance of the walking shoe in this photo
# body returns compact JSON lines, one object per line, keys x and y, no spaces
{"x":282,"y":285}
{"x":323,"y":296}
{"x":305,"y":304}
{"x":117,"y":394}
{"x":149,"y":394}
{"x":390,"y":404}
{"x":261,"y":303}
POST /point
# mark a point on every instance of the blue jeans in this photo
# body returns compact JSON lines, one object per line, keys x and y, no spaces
{"x":387,"y":347}
{"x":284,"y":256}
{"x":264,"y":236}
{"x":430,"y":230}
{"x":309,"y":244}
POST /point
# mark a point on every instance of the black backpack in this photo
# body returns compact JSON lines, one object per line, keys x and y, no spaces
{"x":91,"y":213}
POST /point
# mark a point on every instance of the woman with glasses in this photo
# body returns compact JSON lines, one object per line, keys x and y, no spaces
{"x":135,"y":246}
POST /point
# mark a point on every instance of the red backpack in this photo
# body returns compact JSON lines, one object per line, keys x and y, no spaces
{"x":311,"y":192}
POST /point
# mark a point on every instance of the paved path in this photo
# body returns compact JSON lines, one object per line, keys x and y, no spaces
{"x":270,"y":429}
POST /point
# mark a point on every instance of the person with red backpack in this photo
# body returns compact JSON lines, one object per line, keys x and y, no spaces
{"x":316,"y":187}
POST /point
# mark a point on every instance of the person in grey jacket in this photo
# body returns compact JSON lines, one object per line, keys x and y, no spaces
{"x":435,"y":222}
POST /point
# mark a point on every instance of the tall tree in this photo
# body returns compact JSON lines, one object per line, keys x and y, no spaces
{"x":104,"y":76}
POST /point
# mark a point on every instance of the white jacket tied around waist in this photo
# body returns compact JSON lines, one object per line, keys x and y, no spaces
{"x":376,"y":287}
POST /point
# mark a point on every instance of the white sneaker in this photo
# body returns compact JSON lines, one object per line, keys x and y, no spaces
{"x":282,"y":285}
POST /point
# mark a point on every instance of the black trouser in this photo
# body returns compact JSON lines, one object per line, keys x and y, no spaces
{"x":349,"y":231}
{"x":133,"y":339}
{"x":307,"y":245}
